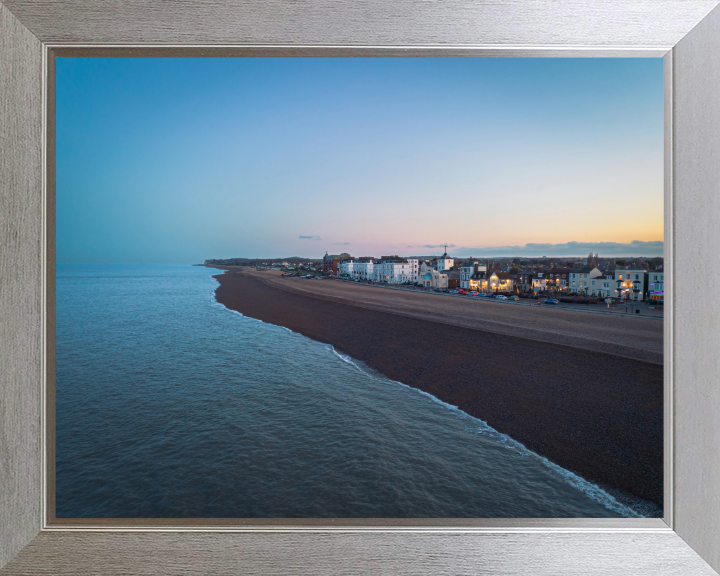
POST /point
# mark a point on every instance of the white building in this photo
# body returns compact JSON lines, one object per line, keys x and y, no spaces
{"x":656,"y":285}
{"x":629,"y":284}
{"x":445,"y":263}
{"x":539,"y":281}
{"x":363,"y":268}
{"x":346,"y":267}
{"x":425,"y":267}
{"x":602,"y":286}
{"x":395,"y":270}
{"x":434,"y":279}
{"x":579,"y":281}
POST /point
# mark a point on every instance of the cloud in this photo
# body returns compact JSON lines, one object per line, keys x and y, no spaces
{"x":309,"y":237}
{"x":606,"y":249}
{"x":341,"y":243}
{"x":434,"y":246}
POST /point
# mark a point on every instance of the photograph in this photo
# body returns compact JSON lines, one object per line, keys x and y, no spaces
{"x":358,"y":288}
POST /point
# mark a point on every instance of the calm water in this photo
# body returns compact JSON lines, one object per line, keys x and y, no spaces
{"x":170,"y":405}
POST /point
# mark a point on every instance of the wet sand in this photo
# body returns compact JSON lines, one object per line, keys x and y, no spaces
{"x":583,"y":390}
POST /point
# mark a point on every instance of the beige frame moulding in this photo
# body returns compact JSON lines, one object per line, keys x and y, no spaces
{"x":686,"y":33}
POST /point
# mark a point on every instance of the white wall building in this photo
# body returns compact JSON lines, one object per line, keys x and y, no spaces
{"x":425,"y":267}
{"x":444,"y":263}
{"x":346,"y":267}
{"x":396,"y":270}
{"x":602,"y":287}
{"x":434,"y":279}
{"x":363,"y":268}
{"x":627,"y":281}
{"x":539,"y":281}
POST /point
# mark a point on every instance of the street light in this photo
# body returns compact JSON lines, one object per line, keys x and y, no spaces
{"x":622,"y":293}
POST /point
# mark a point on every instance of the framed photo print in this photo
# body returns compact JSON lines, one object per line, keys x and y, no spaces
{"x":421,"y":289}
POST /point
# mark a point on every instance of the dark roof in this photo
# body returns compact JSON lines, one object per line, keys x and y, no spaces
{"x":583,"y":270}
{"x":504,"y":275}
{"x":468,"y":263}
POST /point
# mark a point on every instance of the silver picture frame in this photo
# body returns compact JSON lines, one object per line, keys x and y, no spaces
{"x":685,"y":33}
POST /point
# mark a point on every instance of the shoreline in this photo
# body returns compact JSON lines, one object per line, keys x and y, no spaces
{"x":595,"y":414}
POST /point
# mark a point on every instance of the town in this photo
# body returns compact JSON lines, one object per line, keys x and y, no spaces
{"x":595,"y":279}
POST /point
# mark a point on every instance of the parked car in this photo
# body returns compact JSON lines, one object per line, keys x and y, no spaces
{"x":515,"y":298}
{"x":501,"y":297}
{"x":437,"y":290}
{"x":552,"y":301}
{"x":492,"y":295}
{"x":482,"y":295}
{"x":446,"y":291}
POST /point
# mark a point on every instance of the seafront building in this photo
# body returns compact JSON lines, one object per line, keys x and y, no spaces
{"x":331,"y":261}
{"x":580,"y":278}
{"x":425,"y":267}
{"x":363,"y":268}
{"x":539,"y":281}
{"x":394,"y":269}
{"x":434,"y":279}
{"x":500,"y":282}
{"x":558,"y":279}
{"x":523,"y":280}
{"x":453,"y":277}
{"x":472,"y":274}
{"x":444,"y":263}
{"x":601,"y":287}
{"x":346,"y":267}
{"x":656,"y":285}
{"x":638,"y":280}
{"x":630,"y":284}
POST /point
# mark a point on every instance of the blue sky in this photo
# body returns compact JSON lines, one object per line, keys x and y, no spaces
{"x":179,"y":160}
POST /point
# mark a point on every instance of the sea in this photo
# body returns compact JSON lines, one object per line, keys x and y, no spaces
{"x":169,"y":405}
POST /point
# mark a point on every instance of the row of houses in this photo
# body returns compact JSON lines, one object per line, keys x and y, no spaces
{"x":473,"y":274}
{"x":392,"y":269}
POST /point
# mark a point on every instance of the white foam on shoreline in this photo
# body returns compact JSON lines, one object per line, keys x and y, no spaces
{"x":585,"y":486}
{"x":639,"y":509}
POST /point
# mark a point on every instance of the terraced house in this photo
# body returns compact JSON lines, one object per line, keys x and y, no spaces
{"x":363,"y":268}
{"x":523,"y":280}
{"x":630,"y":284}
{"x":579,"y":279}
{"x":602,"y":286}
{"x":396,"y":270}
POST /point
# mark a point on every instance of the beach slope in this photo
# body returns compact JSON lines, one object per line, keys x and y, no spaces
{"x":584,"y":390}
